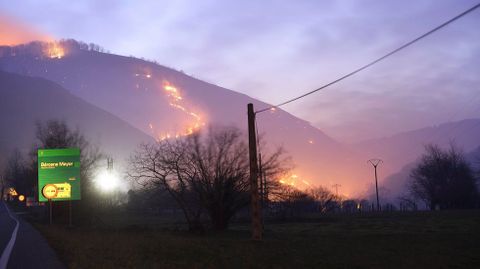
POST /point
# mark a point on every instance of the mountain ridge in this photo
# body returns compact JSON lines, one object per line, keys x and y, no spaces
{"x":161,"y":102}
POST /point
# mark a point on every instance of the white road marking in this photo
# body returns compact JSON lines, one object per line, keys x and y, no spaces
{"x":8,"y":249}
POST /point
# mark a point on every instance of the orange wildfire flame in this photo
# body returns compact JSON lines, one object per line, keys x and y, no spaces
{"x":176,"y":101}
{"x":54,"y":50}
{"x":14,"y":32}
{"x":294,"y":181}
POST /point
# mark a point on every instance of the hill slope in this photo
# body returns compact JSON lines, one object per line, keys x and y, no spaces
{"x":396,"y":184}
{"x":165,"y":102}
{"x":406,"y":147}
{"x":24,"y":100}
{"x":401,"y":152}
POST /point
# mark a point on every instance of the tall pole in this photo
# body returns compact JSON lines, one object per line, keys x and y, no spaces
{"x":50,"y":203}
{"x":70,"y":213}
{"x":255,"y":203}
{"x":109,"y":164}
{"x":262,"y":189}
{"x":260,"y":176}
{"x":336,"y":188}
{"x":375,"y":163}
{"x":265,"y":195}
{"x":376,"y":188}
{"x":109,"y":199}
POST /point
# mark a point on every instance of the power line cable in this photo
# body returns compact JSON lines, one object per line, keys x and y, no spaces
{"x":377,"y":60}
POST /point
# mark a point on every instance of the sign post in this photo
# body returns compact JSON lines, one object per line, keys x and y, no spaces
{"x":70,"y":213}
{"x":59,"y":176}
{"x":50,"y":211}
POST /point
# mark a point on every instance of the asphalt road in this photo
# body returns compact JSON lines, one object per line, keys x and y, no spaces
{"x":30,"y":249}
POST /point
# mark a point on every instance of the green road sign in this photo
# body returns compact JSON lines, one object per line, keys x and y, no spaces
{"x":59,"y":174}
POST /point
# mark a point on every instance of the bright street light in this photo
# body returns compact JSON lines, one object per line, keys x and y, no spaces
{"x":107,"y":181}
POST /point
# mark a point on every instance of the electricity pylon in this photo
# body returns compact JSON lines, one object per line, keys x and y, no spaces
{"x":375,"y":163}
{"x":336,"y":188}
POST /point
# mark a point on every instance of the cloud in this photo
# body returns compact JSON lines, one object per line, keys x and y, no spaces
{"x":392,"y":98}
{"x":275,"y":50}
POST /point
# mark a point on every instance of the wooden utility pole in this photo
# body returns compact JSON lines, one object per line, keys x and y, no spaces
{"x":263,"y":190}
{"x":260,"y":177}
{"x":255,"y":202}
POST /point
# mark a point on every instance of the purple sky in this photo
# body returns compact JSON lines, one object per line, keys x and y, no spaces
{"x":275,"y":50}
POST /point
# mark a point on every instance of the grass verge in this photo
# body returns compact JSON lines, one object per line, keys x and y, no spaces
{"x":389,"y":240}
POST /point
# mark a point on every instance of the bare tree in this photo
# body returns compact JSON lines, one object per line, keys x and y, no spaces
{"x":325,"y":199}
{"x":3,"y":185}
{"x":55,"y":134}
{"x":206,"y":173}
{"x":407,"y":202}
{"x":17,"y":175}
{"x":292,"y":202}
{"x":162,"y":166}
{"x":444,"y":179}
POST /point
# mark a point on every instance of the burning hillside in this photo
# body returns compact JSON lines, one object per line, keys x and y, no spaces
{"x":54,"y":50}
{"x":51,"y":49}
{"x":166,"y":104}
{"x":177,"y":101}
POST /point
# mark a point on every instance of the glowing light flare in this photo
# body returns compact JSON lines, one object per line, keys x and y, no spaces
{"x":195,"y":115}
{"x":107,"y":181}
{"x":168,"y":88}
{"x":179,"y":107}
{"x":12,"y":192}
{"x":145,"y":75}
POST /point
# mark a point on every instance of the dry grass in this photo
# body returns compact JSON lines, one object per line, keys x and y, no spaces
{"x":395,"y":240}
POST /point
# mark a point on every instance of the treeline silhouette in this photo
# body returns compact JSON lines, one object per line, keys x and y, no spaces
{"x":204,"y":179}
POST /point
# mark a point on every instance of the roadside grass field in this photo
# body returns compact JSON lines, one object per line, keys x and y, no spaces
{"x":449,"y":239}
